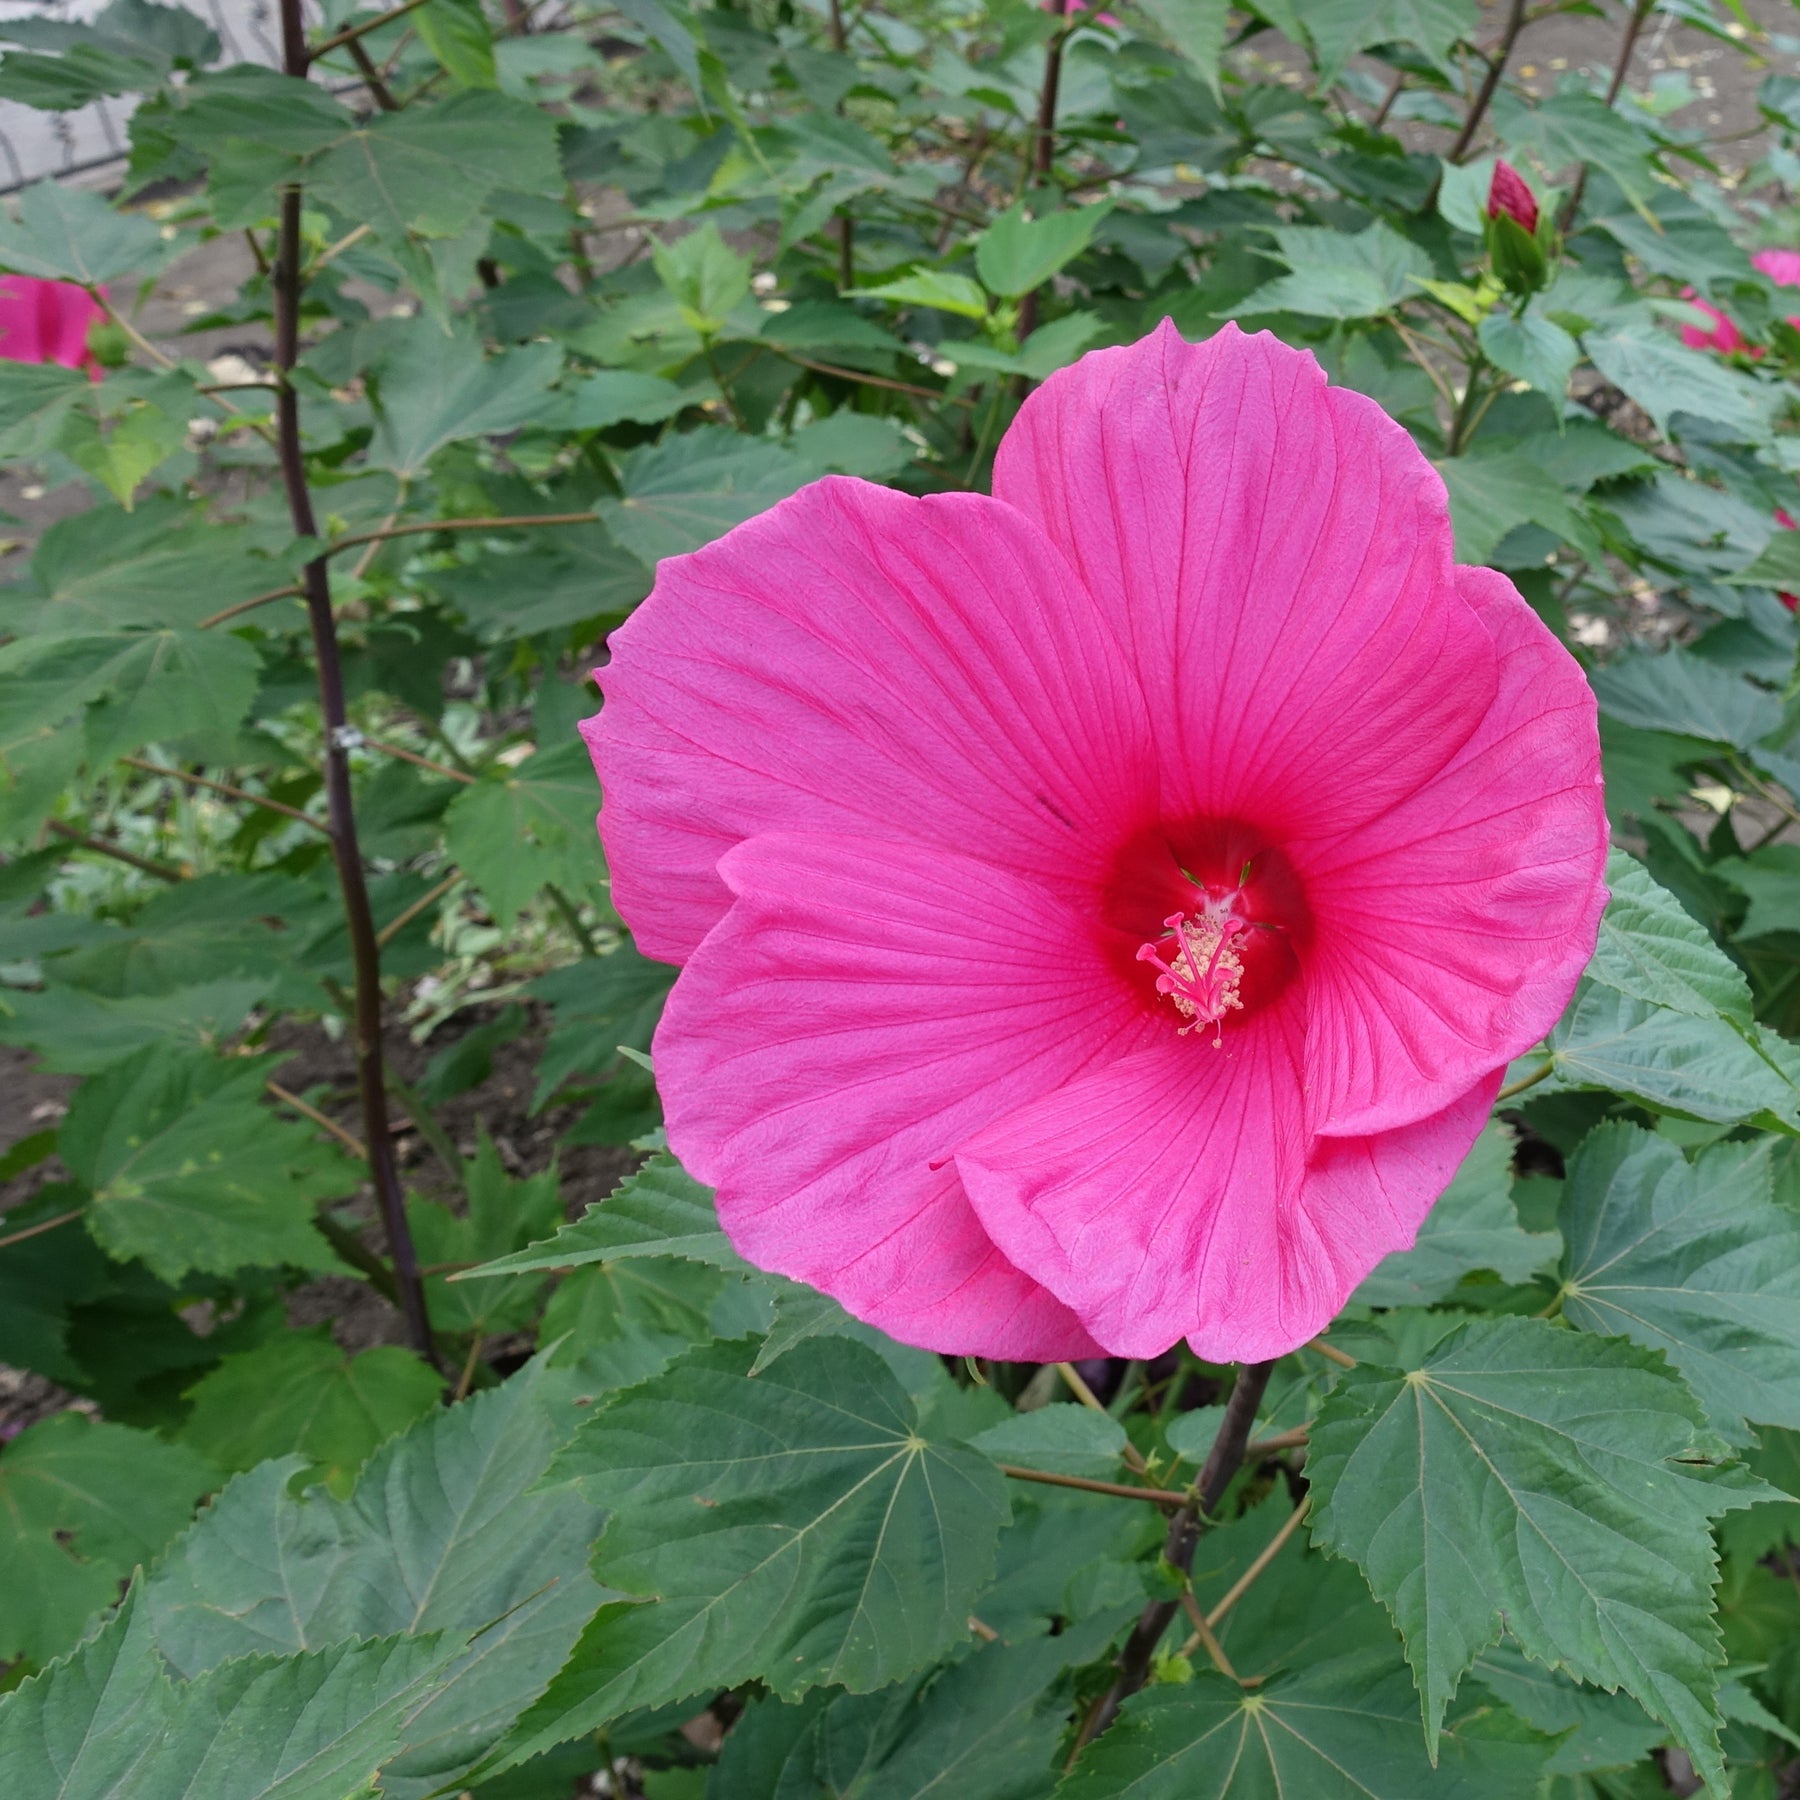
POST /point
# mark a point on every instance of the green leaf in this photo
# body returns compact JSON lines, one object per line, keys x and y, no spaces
{"x":1665,"y":378}
{"x":614,"y":396}
{"x":598,"y":1004}
{"x":78,"y":1033}
{"x":457,"y":33}
{"x":35,"y":398}
{"x":693,"y":487}
{"x":1652,"y":948}
{"x":1531,"y":348}
{"x":68,"y":233}
{"x":503,"y":1215}
{"x":164,"y":565}
{"x":1770,"y":880}
{"x":158,"y":683}
{"x":1604,"y":1731}
{"x":1575,"y":126}
{"x":936,"y":288}
{"x":1676,"y":1063}
{"x":1340,"y":275}
{"x":1494,"y":490}
{"x":1339,"y":1730}
{"x":796,"y":1525}
{"x":300,"y":1395}
{"x":1679,"y":692}
{"x":447,"y":1530}
{"x":78,"y":1730}
{"x":706,"y":276}
{"x":1776,"y":564}
{"x":1695,"y":1260}
{"x":81,"y":1504}
{"x":432,"y":391}
{"x":660,"y":1211}
{"x":430,"y":169}
{"x":1560,"y":1486}
{"x":1473,"y":1226}
{"x":562,"y":578}
{"x":1070,"y":1439}
{"x":190,"y":1171}
{"x":1197,"y":29}
{"x":519,"y":828}
{"x":1339,"y":28}
{"x":1018,"y":253}
{"x":108,"y":1725}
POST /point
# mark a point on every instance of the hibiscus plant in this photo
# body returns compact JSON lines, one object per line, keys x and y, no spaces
{"x":1156,"y":1151}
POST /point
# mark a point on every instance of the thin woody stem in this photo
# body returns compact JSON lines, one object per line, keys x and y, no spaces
{"x":1120,"y":1490}
{"x":225,"y":788}
{"x":1640,"y":11}
{"x":365,"y":947}
{"x":118,"y":852}
{"x":306,"y":1110}
{"x":350,"y":33}
{"x":1222,"y":1463}
{"x":1496,"y":67}
{"x":1043,"y":144}
{"x":31,"y":1231}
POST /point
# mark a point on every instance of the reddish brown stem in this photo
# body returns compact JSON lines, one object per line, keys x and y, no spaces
{"x":1222,"y":1462}
{"x":365,"y":950}
{"x":1496,"y":67}
{"x":1043,"y":144}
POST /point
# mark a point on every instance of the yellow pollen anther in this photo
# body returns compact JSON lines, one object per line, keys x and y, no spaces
{"x":1205,"y":972}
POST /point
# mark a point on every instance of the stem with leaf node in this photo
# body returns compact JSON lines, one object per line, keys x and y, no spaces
{"x":359,"y":920}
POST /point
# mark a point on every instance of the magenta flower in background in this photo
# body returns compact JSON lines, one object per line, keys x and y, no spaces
{"x":1105,"y":910}
{"x":1781,"y":266}
{"x":1510,"y":196}
{"x":46,"y":321}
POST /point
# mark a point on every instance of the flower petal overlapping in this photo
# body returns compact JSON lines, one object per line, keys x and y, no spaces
{"x":911,"y":788}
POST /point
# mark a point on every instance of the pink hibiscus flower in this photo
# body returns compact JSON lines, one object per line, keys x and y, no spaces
{"x":1105,"y":910}
{"x":1781,"y":266}
{"x":46,"y":321}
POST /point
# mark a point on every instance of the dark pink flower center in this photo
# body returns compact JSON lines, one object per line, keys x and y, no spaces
{"x":1215,"y":909}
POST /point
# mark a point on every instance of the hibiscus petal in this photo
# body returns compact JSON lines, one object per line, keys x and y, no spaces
{"x":1278,"y":554}
{"x":1150,"y":1194}
{"x":861,"y":1009}
{"x":1171,"y":1195}
{"x":860,"y":661}
{"x":1451,"y":931}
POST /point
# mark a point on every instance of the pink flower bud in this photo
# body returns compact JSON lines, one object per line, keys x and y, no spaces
{"x":1510,"y":195}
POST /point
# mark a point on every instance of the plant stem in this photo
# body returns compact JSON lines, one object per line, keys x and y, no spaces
{"x":365,"y":948}
{"x":418,"y":761}
{"x":1387,"y":100}
{"x":393,"y":928}
{"x":1496,"y":67}
{"x":1331,"y":1353}
{"x":1122,"y":1490}
{"x":307,"y":1110}
{"x":225,"y":788}
{"x":31,"y":1231}
{"x":1043,"y":145}
{"x":571,"y":916}
{"x":294,"y":61}
{"x":118,"y":852}
{"x":379,"y":90}
{"x":1640,"y":11}
{"x":1265,"y":1556}
{"x":1526,"y":1081}
{"x":1462,"y":421}
{"x":1222,"y":1463}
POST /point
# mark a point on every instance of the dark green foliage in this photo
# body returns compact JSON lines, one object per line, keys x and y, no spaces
{"x":583,"y":298}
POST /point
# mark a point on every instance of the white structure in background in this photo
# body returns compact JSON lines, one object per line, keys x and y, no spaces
{"x":92,"y":140}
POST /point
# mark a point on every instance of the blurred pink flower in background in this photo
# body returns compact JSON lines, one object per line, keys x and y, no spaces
{"x":1106,"y":911}
{"x":46,"y":321}
{"x":1781,"y":266}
